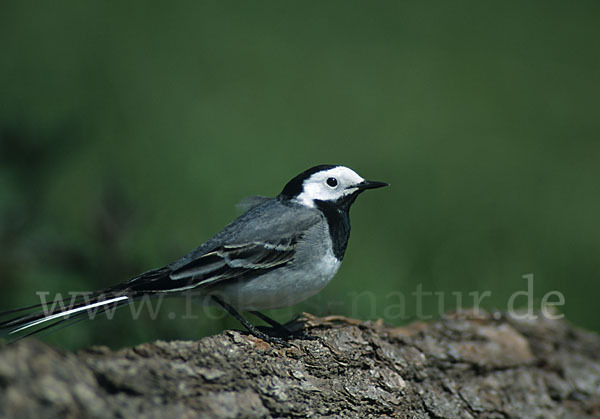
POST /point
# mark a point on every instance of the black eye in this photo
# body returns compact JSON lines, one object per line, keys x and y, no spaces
{"x":332,"y":182}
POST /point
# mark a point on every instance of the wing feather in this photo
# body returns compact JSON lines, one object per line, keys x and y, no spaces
{"x":231,"y":261}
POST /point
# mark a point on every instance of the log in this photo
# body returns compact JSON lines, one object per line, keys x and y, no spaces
{"x":464,"y":366}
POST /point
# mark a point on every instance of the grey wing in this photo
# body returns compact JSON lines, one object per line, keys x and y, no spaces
{"x":264,"y":238}
{"x":236,"y":261}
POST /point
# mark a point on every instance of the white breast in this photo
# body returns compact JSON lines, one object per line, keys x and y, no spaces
{"x":282,"y":287}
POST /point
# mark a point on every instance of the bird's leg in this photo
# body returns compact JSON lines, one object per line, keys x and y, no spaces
{"x":285,"y":331}
{"x":253,"y":330}
{"x":281,"y":329}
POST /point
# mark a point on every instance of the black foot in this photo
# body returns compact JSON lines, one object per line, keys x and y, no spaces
{"x":276,"y":333}
{"x":305,"y":336}
{"x":283,"y":331}
{"x":263,"y":333}
{"x":251,"y":328}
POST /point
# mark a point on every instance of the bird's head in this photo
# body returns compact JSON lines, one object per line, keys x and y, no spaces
{"x":338,"y":185}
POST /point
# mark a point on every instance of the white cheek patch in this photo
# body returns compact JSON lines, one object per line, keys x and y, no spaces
{"x":316,"y":187}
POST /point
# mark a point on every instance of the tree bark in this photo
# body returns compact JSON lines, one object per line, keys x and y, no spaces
{"x":459,"y":367}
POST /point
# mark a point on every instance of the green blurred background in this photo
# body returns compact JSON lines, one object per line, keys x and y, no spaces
{"x":129,"y":130}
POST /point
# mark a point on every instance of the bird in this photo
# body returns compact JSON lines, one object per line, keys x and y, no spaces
{"x":281,"y":251}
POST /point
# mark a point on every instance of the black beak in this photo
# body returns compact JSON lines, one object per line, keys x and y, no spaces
{"x":370,"y":184}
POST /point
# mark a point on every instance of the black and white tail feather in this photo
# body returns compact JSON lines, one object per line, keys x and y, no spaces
{"x":39,"y":318}
{"x":22,"y":322}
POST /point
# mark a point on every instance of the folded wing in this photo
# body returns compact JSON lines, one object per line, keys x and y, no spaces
{"x":236,"y":262}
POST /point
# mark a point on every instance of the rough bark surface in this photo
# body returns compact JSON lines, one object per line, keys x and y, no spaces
{"x":460,"y":367}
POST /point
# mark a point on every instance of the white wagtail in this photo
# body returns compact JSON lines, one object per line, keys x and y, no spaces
{"x":281,"y":251}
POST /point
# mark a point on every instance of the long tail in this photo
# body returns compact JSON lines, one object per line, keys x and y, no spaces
{"x":41,"y":318}
{"x":38,"y":318}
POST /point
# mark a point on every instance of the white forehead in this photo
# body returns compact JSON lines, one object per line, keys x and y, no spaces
{"x":343,"y":175}
{"x":316,"y":187}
